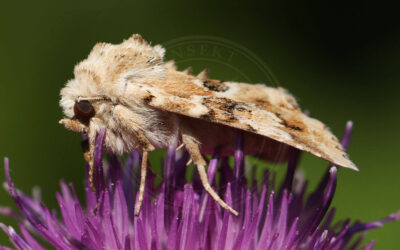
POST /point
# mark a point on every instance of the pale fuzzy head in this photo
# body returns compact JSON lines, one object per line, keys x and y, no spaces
{"x":108,"y":66}
{"x":102,"y":79}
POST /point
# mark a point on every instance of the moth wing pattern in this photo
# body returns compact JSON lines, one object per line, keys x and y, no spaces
{"x":266,"y":111}
{"x":138,"y":74}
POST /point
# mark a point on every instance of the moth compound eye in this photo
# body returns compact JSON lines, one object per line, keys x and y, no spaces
{"x":84,"y":110}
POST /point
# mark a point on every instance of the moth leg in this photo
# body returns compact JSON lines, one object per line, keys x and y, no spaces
{"x":180,"y":147}
{"x":129,"y":122}
{"x":88,"y":153}
{"x":73,"y":125}
{"x":89,"y":156}
{"x":192,"y":145}
{"x":143,"y":171}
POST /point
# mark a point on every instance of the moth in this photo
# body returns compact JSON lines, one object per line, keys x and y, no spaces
{"x":145,"y":104}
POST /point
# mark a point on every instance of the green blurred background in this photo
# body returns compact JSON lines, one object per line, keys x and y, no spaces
{"x":339,"y":59}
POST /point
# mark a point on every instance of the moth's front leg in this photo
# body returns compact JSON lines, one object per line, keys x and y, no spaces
{"x":128,"y":120}
{"x":193,"y":147}
{"x":89,"y":155}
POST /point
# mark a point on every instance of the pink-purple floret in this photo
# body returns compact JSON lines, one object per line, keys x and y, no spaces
{"x":181,"y":215}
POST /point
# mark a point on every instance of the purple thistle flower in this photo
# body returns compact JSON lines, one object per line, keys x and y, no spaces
{"x":180,"y":215}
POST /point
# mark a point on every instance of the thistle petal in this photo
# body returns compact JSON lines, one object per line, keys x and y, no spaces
{"x":181,"y":215}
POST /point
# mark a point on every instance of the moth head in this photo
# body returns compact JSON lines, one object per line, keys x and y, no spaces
{"x":104,"y":76}
{"x":84,"y":115}
{"x":79,"y":103}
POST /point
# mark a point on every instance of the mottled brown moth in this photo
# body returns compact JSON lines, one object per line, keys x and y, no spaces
{"x":145,"y":104}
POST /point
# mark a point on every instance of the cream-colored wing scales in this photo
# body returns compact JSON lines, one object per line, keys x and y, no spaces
{"x":270,"y":112}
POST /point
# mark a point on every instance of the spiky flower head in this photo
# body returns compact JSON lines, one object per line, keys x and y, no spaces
{"x":177,"y":214}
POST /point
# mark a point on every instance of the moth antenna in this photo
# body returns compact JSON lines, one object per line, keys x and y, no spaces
{"x":188,"y":71}
{"x":142,"y":186}
{"x":203,"y":75}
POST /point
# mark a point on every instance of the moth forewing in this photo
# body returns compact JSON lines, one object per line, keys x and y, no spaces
{"x":271,"y":113}
{"x":145,"y":104}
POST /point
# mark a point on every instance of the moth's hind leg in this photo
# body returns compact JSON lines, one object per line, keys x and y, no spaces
{"x":192,"y":145}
